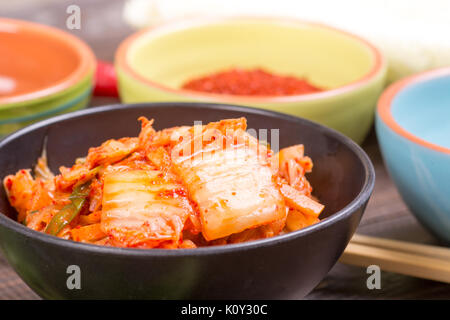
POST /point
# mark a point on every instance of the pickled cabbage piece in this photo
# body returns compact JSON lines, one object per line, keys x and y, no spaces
{"x":291,"y":164}
{"x":298,"y":201}
{"x":232,"y":187}
{"x":143,"y":207}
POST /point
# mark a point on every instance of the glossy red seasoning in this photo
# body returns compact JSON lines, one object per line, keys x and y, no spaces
{"x":255,"y":82}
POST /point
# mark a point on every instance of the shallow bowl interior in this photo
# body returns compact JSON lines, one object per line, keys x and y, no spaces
{"x":39,"y":61}
{"x":173,"y":55}
{"x":152,"y":65}
{"x":423,"y":109}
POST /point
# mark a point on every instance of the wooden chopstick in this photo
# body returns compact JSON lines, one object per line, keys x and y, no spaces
{"x":407,"y":247}
{"x":418,"y":260}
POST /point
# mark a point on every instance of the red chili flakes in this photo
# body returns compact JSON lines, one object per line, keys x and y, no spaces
{"x":255,"y":82}
{"x":174,"y":193}
{"x":9,"y":183}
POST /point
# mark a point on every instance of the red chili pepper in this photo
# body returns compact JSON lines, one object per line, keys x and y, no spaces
{"x":105,"y":80}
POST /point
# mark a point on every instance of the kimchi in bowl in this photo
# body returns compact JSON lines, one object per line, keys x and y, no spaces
{"x":285,"y":266}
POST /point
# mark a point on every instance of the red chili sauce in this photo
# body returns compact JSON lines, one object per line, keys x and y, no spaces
{"x":255,"y":82}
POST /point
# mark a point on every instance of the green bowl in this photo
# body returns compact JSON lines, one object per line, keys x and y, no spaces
{"x":153,"y":64}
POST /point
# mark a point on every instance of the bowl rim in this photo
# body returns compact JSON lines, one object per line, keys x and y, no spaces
{"x":384,"y":108}
{"x":121,"y":61}
{"x":86,"y":65}
{"x":85,"y":83}
{"x":362,"y":197}
{"x":85,"y":93}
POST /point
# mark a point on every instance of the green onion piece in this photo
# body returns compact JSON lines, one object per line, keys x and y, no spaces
{"x":70,"y":211}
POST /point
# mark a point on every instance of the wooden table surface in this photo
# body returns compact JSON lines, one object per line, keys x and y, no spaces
{"x":386,"y":215}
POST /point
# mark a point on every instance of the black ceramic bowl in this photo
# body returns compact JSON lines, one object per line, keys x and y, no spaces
{"x":286,"y":266}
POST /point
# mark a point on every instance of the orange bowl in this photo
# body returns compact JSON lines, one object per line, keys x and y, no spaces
{"x":38,"y":61}
{"x":43,"y":72}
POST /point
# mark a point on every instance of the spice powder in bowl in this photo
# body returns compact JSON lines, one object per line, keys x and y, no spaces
{"x":256,"y":82}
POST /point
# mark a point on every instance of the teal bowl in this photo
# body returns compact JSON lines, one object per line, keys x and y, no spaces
{"x":413,"y":129}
